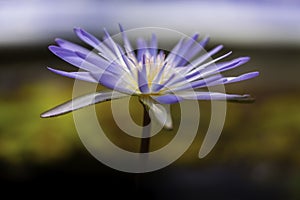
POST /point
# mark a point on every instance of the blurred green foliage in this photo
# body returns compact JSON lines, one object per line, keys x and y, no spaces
{"x":24,"y":136}
{"x":266,"y":131}
{"x":264,"y":136}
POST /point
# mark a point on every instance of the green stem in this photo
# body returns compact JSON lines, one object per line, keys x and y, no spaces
{"x":145,"y":140}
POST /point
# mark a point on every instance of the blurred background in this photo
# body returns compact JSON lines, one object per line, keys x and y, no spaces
{"x":257,"y":155}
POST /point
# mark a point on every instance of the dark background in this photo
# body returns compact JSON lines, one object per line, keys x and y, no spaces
{"x":257,"y":155}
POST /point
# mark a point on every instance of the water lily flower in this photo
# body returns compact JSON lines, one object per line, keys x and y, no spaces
{"x":156,"y":77}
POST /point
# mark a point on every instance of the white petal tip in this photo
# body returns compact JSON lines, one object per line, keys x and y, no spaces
{"x":168,"y":127}
{"x":51,"y":113}
{"x":45,"y":115}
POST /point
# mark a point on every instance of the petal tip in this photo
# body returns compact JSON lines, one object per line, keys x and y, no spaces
{"x":45,"y":115}
{"x":52,"y":48}
{"x":243,"y":60}
{"x":256,"y":73}
{"x":59,"y":41}
{"x":168,"y":127}
{"x":77,"y":29}
{"x":121,"y":27}
{"x":50,"y":68}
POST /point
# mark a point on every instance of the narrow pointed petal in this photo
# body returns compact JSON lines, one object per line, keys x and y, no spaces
{"x":95,"y":43}
{"x":206,"y":82}
{"x":195,"y":95}
{"x":232,"y":64}
{"x":142,"y":77}
{"x":156,"y":87}
{"x":81,"y":102}
{"x":204,"y":41}
{"x":158,"y":76}
{"x":169,"y":80}
{"x":88,"y":38}
{"x":126,"y":62}
{"x":127,"y":44}
{"x":116,"y":83}
{"x":141,"y":49}
{"x":71,"y":46}
{"x":241,"y":77}
{"x":84,"y":76}
{"x":174,"y":52}
{"x":203,"y":66}
{"x":102,"y":64}
{"x":167,"y":99}
{"x":194,"y":50}
{"x":107,"y":53}
{"x":114,"y":47}
{"x":206,"y":56}
{"x":153,"y":46}
{"x":219,"y":80}
{"x":180,"y":57}
{"x":72,"y":58}
{"x":220,"y":67}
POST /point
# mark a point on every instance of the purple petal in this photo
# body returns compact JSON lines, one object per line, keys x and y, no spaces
{"x":159,"y":74}
{"x":206,"y":56}
{"x":169,"y":80}
{"x":220,"y":67}
{"x":206,"y":82}
{"x":112,"y":82}
{"x":167,"y":98}
{"x":204,"y":41}
{"x":88,"y":38}
{"x":203,"y":66}
{"x":127,"y":62}
{"x":72,"y":58}
{"x":84,"y":76}
{"x":71,"y":46}
{"x":194,"y":95}
{"x":107,"y":43}
{"x":180,"y":55}
{"x":173,"y":53}
{"x":102,"y":64}
{"x":141,"y":48}
{"x":223,"y":80}
{"x":241,"y":78}
{"x":232,"y":64}
{"x":144,"y":88}
{"x":142,"y":77}
{"x":116,"y":49}
{"x":112,"y":45}
{"x":156,"y":87}
{"x":81,"y":102}
{"x":192,"y":75}
{"x":219,"y":80}
{"x":127,"y":44}
{"x":153,"y":46}
{"x":194,"y":50}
